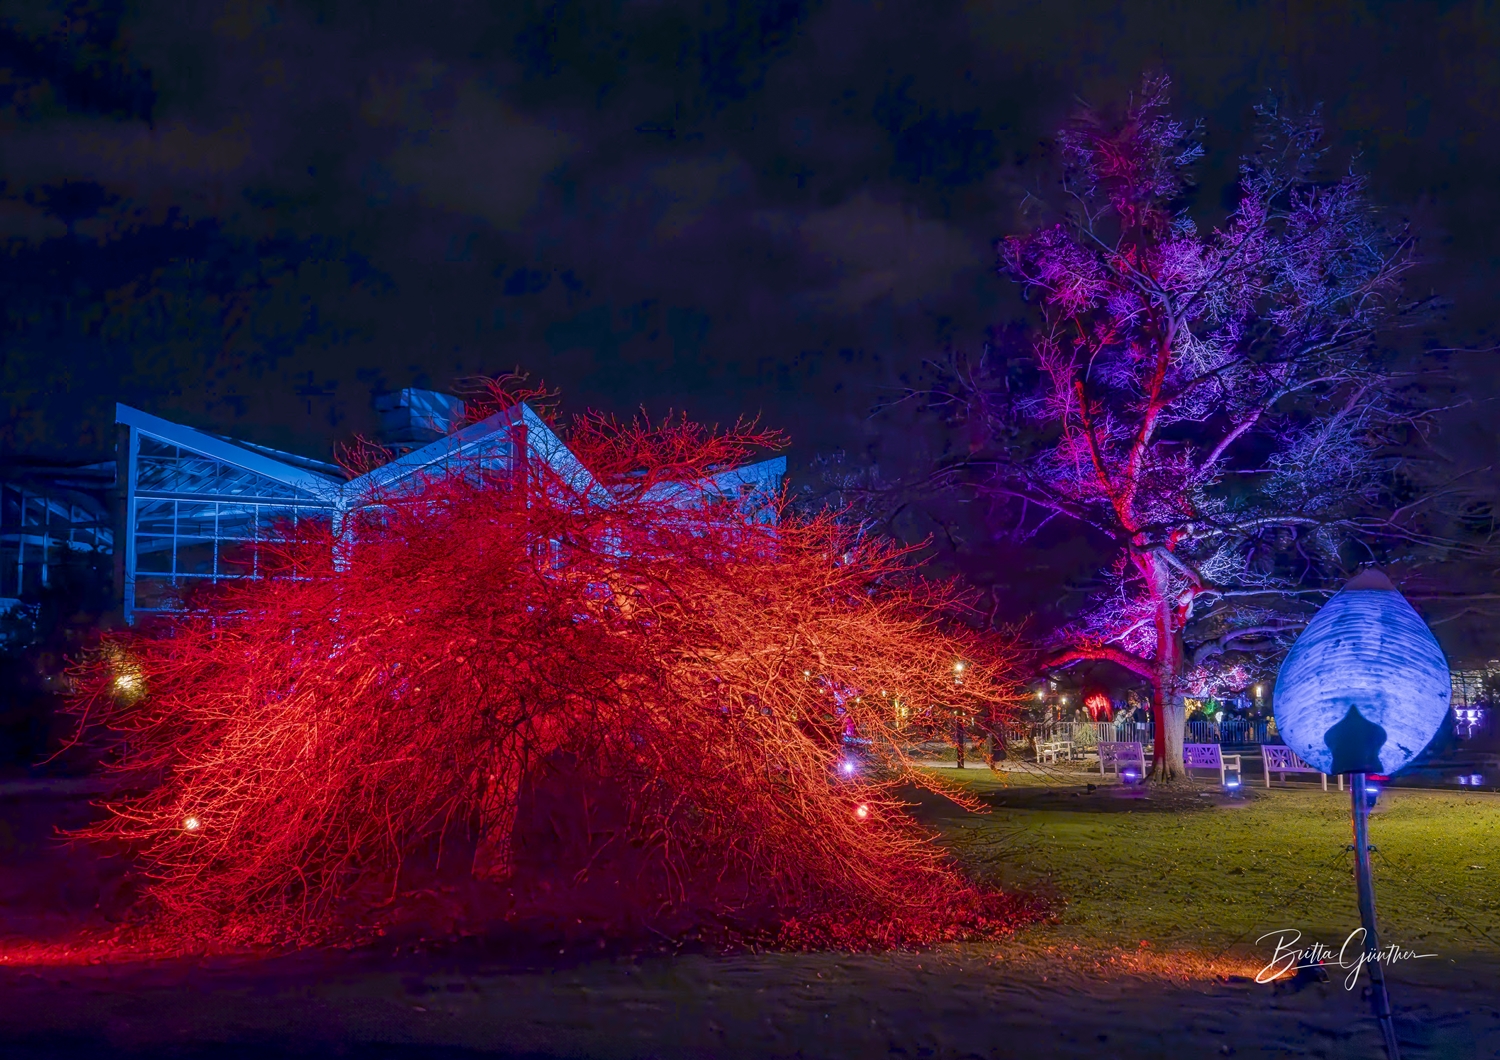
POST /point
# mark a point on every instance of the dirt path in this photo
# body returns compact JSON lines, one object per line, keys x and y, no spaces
{"x":954,"y":1003}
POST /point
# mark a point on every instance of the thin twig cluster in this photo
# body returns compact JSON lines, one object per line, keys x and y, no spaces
{"x":645,"y":705}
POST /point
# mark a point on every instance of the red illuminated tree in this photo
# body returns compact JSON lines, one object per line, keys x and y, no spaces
{"x":1209,"y":400}
{"x":589,"y":706}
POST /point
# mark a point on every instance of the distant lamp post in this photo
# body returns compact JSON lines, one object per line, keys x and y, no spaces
{"x":959,"y":736}
{"x":1363,"y":690}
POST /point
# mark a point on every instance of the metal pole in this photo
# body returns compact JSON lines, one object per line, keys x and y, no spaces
{"x":958,"y":740}
{"x":1379,"y":999}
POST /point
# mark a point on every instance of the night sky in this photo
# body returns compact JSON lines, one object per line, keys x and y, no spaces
{"x":250,"y":216}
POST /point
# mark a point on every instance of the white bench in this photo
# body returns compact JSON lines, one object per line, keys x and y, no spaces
{"x":1209,"y":756}
{"x":1049,"y":751}
{"x":1120,"y":755}
{"x":1283,"y":760}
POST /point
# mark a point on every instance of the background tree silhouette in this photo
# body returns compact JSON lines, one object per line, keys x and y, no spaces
{"x":1214,"y":403}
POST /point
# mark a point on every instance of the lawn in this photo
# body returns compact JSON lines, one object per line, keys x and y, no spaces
{"x":1184,"y":871}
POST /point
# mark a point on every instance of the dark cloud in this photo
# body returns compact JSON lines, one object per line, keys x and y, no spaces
{"x":251,"y":215}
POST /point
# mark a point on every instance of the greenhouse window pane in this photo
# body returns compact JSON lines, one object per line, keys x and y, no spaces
{"x":237,"y":559}
{"x":10,"y":506}
{"x":277,"y":524}
{"x":153,"y":474}
{"x":195,"y":557}
{"x":153,"y":554}
{"x":152,"y":446}
{"x":155,"y":517}
{"x":35,"y":513}
{"x":170,"y":469}
{"x":237,"y":522}
{"x":177,"y":475}
{"x":237,"y":483}
{"x":197,"y":520}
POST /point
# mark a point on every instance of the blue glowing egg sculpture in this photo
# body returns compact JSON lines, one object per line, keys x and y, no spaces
{"x":1365,"y":687}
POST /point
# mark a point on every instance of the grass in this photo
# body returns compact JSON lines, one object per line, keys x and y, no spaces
{"x":1187,"y":875}
{"x":1181,"y":871}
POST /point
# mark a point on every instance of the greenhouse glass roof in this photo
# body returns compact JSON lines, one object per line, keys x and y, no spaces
{"x":202,"y":507}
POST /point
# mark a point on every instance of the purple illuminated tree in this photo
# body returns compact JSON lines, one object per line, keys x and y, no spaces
{"x":1211,"y":400}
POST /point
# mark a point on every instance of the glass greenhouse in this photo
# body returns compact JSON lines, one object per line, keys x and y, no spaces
{"x":200,"y":507}
{"x":52,"y":517}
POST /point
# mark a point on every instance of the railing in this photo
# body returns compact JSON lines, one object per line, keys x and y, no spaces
{"x":1089,"y":733}
{"x":1231,"y":730}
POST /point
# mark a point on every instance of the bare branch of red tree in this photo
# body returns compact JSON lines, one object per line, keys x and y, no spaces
{"x":596,"y":713}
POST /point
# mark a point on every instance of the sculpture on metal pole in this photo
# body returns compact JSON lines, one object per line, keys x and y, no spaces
{"x":1363,"y":691}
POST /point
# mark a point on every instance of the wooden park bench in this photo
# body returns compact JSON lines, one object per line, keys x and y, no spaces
{"x":1209,"y":756}
{"x":1283,"y":760}
{"x":1120,"y":755}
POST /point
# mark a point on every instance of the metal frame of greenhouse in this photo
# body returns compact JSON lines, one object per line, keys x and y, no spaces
{"x":52,"y":516}
{"x":198,"y":507}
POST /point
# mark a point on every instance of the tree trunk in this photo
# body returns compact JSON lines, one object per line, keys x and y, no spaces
{"x":1167,"y":709}
{"x":1171,"y":726}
